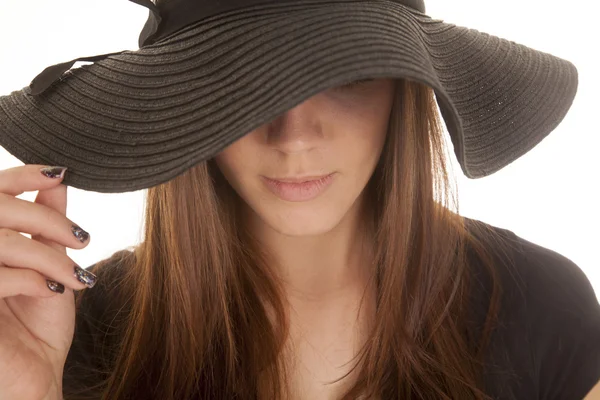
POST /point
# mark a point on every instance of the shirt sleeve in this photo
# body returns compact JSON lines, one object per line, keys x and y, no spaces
{"x":564,"y":324}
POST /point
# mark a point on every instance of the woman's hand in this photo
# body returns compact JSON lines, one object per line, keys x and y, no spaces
{"x":36,"y":320}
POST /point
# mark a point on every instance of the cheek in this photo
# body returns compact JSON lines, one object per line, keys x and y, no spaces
{"x":233,"y":164}
{"x":366,"y":137}
{"x":225,"y":165}
{"x":363,"y":119}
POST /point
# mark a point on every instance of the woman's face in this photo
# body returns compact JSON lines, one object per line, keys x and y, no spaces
{"x":340,"y":131}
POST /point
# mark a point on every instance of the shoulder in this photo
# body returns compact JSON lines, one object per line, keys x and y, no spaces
{"x":547,"y":281}
{"x":549,"y":328}
{"x":98,"y":307}
{"x":540,"y":276}
{"x":109,"y":291}
{"x":563,"y":317}
{"x":113,"y":266}
{"x":99,"y":323}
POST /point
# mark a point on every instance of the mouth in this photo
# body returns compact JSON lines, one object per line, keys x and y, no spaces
{"x":298,"y":189}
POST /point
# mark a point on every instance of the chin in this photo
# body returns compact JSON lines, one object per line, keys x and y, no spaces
{"x":297,"y":219}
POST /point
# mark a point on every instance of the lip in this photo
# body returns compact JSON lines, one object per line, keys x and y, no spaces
{"x":299,"y":179}
{"x":299,"y":188}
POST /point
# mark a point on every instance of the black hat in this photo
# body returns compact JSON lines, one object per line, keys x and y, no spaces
{"x":208,"y":72}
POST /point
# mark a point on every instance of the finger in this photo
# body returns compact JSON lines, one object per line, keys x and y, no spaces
{"x":26,"y":282}
{"x":18,"y":251}
{"x":28,"y":178}
{"x":40,"y":220}
{"x":54,"y":198}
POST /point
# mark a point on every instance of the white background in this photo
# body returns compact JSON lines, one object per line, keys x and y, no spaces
{"x":549,"y":196}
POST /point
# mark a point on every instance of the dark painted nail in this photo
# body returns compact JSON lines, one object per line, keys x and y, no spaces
{"x":54,"y":172}
{"x":55,"y":286}
{"x":79,"y":233}
{"x":85,"y":277}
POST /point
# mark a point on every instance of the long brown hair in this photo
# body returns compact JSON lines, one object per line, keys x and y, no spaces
{"x":208,"y":318}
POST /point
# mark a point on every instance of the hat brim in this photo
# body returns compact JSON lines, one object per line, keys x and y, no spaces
{"x":140,"y":118}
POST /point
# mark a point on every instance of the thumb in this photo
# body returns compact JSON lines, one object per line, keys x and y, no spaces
{"x":55,"y":198}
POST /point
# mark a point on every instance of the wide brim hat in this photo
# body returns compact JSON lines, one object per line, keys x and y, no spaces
{"x":207,"y":73}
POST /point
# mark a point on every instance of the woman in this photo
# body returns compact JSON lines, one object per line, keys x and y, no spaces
{"x":306,"y":259}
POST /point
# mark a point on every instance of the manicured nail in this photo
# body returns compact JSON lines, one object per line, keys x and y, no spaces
{"x":79,"y":233}
{"x":54,"y":172}
{"x":55,"y":286}
{"x":85,"y":277}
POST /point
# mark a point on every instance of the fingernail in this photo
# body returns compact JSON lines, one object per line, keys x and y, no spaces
{"x":55,"y":286}
{"x":54,"y":172}
{"x":79,"y":233}
{"x":85,"y":277}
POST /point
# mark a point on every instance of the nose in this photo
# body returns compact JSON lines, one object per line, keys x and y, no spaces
{"x":298,"y":130}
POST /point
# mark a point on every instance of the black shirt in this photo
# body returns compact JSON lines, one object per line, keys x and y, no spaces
{"x":546,"y":345}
